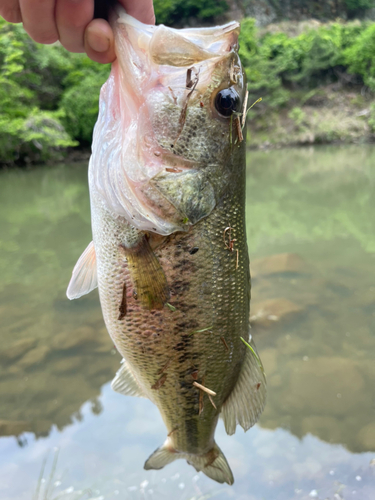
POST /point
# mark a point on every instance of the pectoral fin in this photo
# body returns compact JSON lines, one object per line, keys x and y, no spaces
{"x":125,"y":382}
{"x":84,"y":277}
{"x":147,"y":275}
{"x":246,"y":402}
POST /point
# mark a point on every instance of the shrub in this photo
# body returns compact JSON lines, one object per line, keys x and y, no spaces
{"x":276,"y":63}
{"x":48,"y":96}
{"x":360,"y":56}
{"x":38,"y":137}
{"x":170,"y":12}
{"x":357,"y":6}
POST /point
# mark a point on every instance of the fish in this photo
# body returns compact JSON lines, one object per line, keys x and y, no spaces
{"x":169,"y":252}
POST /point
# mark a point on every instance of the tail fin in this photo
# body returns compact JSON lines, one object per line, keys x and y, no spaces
{"x":213,"y":463}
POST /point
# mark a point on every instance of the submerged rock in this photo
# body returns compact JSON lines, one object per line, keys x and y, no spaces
{"x":278,"y":263}
{"x":268,"y":312}
{"x":84,"y":335}
{"x":34,"y":357}
{"x":17,"y":349}
{"x":67,"y":364}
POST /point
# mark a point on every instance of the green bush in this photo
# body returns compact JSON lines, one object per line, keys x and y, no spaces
{"x":38,"y":137}
{"x":81,"y":104}
{"x":275,"y":63}
{"x":80,"y":100}
{"x":48,"y":97}
{"x":360,"y":56}
{"x":261,"y":64}
{"x":170,"y":12}
{"x":356,"y":6}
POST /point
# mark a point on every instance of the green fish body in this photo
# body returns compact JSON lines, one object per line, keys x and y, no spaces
{"x":169,"y":252}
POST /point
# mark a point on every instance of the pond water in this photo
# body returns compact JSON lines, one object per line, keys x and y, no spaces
{"x":64,"y":432}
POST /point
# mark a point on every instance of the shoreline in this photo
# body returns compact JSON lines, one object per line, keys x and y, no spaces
{"x":327,"y":116}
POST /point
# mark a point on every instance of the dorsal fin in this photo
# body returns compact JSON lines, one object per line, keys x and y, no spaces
{"x":246,"y":402}
{"x":125,"y":383}
{"x":84,"y":277}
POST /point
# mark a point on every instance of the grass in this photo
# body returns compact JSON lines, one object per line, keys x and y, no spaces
{"x":46,"y":487}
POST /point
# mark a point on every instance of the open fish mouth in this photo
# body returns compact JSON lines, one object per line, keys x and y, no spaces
{"x":156,"y":107}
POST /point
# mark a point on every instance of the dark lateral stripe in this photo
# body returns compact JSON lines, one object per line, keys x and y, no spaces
{"x":122,"y":308}
{"x":191,"y":429}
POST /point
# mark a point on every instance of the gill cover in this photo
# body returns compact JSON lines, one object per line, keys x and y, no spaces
{"x":131,"y":172}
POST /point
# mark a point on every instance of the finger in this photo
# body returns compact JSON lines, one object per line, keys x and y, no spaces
{"x":72,"y":17}
{"x":143,"y":10}
{"x":99,"y":43}
{"x":38,"y":20}
{"x":10,"y":11}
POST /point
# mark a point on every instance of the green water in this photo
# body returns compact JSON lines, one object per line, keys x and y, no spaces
{"x":311,"y":235}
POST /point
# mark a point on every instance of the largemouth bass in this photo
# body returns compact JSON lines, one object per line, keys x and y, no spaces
{"x":169,"y":252}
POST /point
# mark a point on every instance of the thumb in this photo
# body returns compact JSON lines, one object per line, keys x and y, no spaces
{"x":99,"y":42}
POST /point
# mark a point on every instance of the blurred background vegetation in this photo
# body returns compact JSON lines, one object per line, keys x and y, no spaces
{"x":313,"y":64}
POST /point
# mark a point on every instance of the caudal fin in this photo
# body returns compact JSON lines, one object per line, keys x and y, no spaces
{"x":213,"y":464}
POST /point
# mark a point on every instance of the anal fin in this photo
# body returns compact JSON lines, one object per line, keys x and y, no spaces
{"x":248,"y":398}
{"x":84,"y":277}
{"x":125,"y":383}
{"x":147,"y":275}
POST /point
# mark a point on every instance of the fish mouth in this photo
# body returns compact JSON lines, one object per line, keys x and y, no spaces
{"x":158,"y":73}
{"x":162,"y":45}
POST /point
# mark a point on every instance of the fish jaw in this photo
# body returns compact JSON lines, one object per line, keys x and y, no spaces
{"x":152,"y":119}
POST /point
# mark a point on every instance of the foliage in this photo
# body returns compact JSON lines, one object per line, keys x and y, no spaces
{"x":49,"y":97}
{"x":360,"y":56}
{"x":371,"y":120}
{"x":37,"y":137}
{"x":276,"y":63}
{"x":356,"y":6}
{"x":80,"y":100}
{"x":38,"y":93}
{"x":170,"y":12}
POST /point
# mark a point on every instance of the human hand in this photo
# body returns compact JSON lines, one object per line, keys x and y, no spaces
{"x":71,"y":22}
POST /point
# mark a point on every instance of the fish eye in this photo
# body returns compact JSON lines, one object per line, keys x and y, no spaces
{"x":227,"y":101}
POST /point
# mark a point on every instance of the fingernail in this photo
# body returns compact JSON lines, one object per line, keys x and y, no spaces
{"x":98,"y":42}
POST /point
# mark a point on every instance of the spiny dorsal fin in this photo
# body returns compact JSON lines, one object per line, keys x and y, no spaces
{"x":125,"y":382}
{"x":147,"y":275}
{"x":84,"y":277}
{"x":246,"y":402}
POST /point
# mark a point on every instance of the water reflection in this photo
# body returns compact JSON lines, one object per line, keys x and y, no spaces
{"x":55,"y":354}
{"x":311,"y":235}
{"x":104,"y":454}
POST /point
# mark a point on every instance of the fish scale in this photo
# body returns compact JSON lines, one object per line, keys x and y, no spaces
{"x":215,"y":294}
{"x":169,"y":252}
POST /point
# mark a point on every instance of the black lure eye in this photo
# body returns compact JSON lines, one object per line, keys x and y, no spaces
{"x":227,"y":101}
